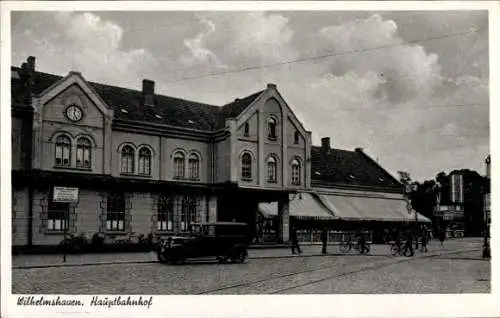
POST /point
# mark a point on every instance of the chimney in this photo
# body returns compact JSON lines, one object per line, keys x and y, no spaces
{"x":148,"y":92}
{"x":325,"y":143}
{"x":31,"y":63}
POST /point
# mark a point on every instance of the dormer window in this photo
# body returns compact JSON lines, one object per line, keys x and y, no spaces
{"x":271,"y":128}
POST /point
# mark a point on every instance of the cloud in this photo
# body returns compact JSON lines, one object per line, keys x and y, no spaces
{"x":397,"y":101}
{"x":198,"y":54}
{"x":84,"y":42}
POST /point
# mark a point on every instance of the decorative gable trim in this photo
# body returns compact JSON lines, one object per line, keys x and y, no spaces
{"x":75,"y":78}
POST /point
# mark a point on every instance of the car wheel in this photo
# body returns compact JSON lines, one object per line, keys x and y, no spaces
{"x":367,"y":248}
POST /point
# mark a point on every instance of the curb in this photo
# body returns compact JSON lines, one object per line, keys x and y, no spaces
{"x":250,"y":257}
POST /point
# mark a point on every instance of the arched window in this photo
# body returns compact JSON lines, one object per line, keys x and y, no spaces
{"x":194,"y":166}
{"x":179,"y":165}
{"x":127,"y":159}
{"x":83,"y":153}
{"x":271,"y":128}
{"x":63,"y":151}
{"x":272,"y":169}
{"x":246,"y":166}
{"x":246,"y":130}
{"x":295,"y":172}
{"x":296,"y":137}
{"x":145,"y":161}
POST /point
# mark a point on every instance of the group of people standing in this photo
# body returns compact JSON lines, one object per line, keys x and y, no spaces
{"x":409,"y":236}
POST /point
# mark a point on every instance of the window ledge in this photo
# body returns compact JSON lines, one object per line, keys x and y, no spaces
{"x":272,"y":138}
{"x":128,"y":174}
{"x":49,"y":232}
{"x":272,"y":181}
{"x":63,"y":167}
{"x":165,"y":232}
{"x":82,"y":168}
{"x":296,"y":183}
{"x":144,"y":175}
{"x":246,"y":179}
{"x":179,"y":178}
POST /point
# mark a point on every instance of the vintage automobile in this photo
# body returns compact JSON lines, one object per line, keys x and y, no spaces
{"x":223,"y":240}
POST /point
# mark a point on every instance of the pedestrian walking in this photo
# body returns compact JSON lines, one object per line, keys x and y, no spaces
{"x":442,"y":236}
{"x":424,"y":239}
{"x":409,"y":244}
{"x":324,"y":239}
{"x":295,"y":241}
{"x":360,"y":234}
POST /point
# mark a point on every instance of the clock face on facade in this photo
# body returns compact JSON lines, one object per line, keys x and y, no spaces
{"x":74,"y":113}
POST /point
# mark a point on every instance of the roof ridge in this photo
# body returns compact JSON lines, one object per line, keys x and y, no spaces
{"x":160,"y":95}
{"x":17,"y":68}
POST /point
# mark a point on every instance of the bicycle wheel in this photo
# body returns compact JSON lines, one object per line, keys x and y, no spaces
{"x":345,"y":247}
{"x":367,"y":248}
{"x":395,"y":250}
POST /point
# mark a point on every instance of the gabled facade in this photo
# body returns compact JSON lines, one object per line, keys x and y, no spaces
{"x":143,"y":162}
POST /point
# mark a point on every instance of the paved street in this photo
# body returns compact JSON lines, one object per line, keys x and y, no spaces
{"x":457,"y":268}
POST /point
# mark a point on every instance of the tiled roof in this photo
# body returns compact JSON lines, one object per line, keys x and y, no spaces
{"x":128,"y":104}
{"x":350,"y":168}
{"x":233,"y":109}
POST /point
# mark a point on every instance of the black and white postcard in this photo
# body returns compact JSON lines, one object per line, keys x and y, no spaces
{"x":288,"y":159}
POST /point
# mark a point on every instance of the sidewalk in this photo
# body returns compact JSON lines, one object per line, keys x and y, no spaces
{"x":56,"y":260}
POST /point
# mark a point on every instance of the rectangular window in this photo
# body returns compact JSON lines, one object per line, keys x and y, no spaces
{"x":57,"y":215}
{"x":115,"y":218}
{"x":165,"y":214}
{"x":186,"y":207}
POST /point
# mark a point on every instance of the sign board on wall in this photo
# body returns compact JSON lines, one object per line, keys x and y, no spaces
{"x":65,"y":194}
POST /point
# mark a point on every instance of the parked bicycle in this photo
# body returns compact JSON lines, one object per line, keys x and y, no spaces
{"x":74,"y":243}
{"x":399,"y":249}
{"x":347,"y":245}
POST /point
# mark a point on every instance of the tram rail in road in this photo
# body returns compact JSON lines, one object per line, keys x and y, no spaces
{"x":364,"y":267}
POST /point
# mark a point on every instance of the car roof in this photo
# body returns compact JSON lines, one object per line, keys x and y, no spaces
{"x":220,"y":223}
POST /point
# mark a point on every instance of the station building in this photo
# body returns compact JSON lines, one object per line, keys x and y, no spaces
{"x":147,"y":163}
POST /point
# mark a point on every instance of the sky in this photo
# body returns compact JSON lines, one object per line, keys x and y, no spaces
{"x":409,"y":87}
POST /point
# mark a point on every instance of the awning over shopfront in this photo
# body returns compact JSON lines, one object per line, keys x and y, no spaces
{"x":365,"y":208}
{"x":303,"y":206}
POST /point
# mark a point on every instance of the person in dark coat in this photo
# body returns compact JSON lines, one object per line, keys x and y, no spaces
{"x":442,"y":236}
{"x":295,"y":241}
{"x":409,"y":243}
{"x":424,"y":239}
{"x":324,"y":239}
